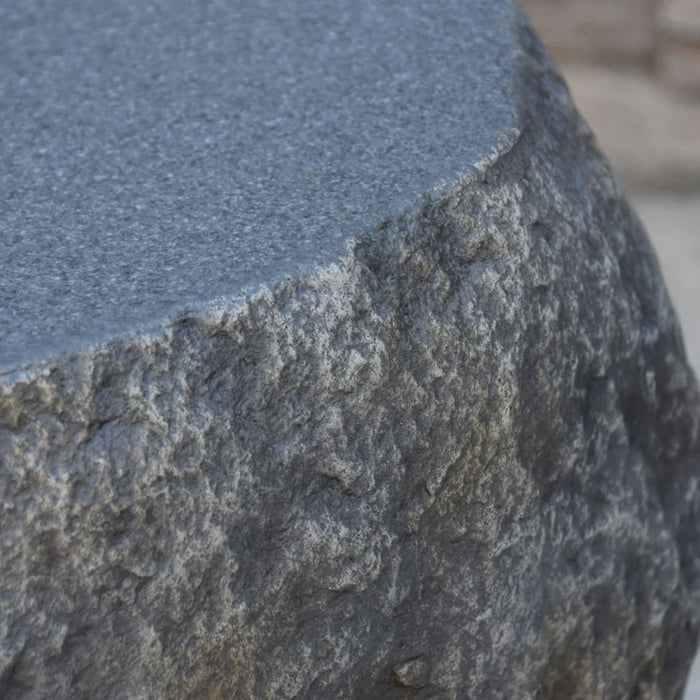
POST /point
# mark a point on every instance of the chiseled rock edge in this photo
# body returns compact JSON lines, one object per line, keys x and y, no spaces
{"x":463,"y":463}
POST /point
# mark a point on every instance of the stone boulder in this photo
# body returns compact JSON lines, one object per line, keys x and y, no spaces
{"x":452,"y":451}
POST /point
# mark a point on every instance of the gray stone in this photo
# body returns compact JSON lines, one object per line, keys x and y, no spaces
{"x":461,"y":461}
{"x":154,"y":158}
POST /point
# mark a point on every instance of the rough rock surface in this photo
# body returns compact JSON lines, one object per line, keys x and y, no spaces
{"x":461,"y":463}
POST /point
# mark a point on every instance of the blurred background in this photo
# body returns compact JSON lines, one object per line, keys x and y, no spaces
{"x":633,"y":67}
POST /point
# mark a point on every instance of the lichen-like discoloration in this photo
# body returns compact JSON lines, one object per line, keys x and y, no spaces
{"x":462,"y":463}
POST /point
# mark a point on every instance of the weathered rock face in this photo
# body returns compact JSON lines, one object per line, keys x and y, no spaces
{"x":463,"y":462}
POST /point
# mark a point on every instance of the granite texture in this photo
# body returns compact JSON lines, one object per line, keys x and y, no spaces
{"x":157,"y":154}
{"x":462,"y":462}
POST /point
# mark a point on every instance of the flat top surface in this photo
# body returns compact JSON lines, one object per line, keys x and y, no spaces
{"x":156,"y":154}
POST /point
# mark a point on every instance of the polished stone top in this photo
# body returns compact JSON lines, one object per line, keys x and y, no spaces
{"x":156,"y":155}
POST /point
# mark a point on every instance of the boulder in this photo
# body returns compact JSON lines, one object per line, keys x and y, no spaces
{"x":408,"y":416}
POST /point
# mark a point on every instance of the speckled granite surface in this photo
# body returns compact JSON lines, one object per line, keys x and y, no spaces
{"x":156,"y":155}
{"x":462,"y":462}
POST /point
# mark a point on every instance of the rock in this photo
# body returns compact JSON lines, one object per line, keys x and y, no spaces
{"x":413,"y":673}
{"x":155,"y":160}
{"x":459,"y":458}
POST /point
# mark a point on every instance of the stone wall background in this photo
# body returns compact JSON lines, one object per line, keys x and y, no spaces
{"x":662,"y":36}
{"x":633,"y":67}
